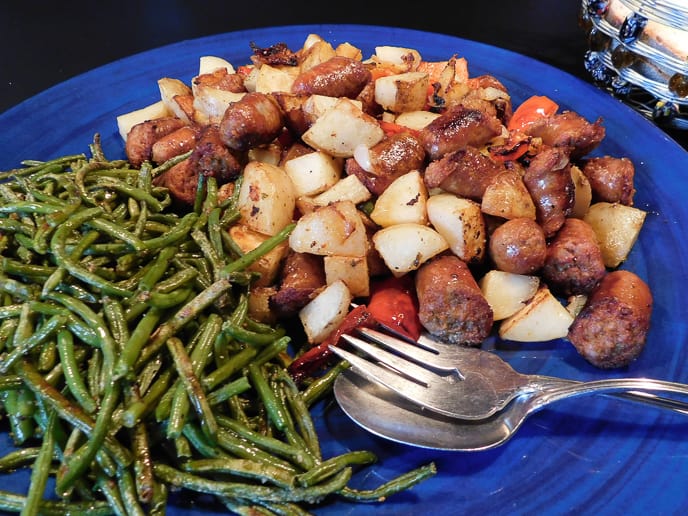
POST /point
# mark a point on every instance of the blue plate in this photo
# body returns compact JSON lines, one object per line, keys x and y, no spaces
{"x":589,"y":455}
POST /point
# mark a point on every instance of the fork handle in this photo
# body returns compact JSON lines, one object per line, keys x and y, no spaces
{"x":631,"y":389}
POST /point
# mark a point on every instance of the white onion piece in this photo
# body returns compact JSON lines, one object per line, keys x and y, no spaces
{"x":362,"y":157}
{"x":492,"y":93}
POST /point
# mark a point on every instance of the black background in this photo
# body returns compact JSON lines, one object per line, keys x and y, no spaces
{"x":44,"y":43}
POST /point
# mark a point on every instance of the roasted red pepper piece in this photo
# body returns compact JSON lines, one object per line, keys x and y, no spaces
{"x":537,"y":106}
{"x":393,"y":303}
{"x":318,"y":357}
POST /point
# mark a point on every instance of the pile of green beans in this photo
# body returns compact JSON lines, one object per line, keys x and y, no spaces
{"x":129,"y":366}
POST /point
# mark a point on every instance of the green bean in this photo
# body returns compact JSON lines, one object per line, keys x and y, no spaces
{"x":157,"y":269}
{"x":26,"y":270}
{"x":43,"y":332}
{"x":67,"y":410}
{"x":14,"y":503}
{"x":143,"y":464}
{"x":137,"y":339}
{"x":334,"y":465}
{"x":169,"y":164}
{"x":226,"y":370}
{"x":58,"y":247}
{"x":19,"y":414}
{"x":251,"y":491}
{"x":127,"y":489}
{"x":20,"y":290}
{"x":37,"y":166}
{"x":114,"y":315}
{"x":401,"y":483}
{"x":323,"y":384}
{"x":18,"y":458}
{"x":118,"y":232}
{"x":47,"y":356}
{"x":185,"y":314}
{"x":193,"y":388}
{"x":202,"y":348}
{"x":174,"y":235}
{"x":82,"y":459}
{"x":136,"y":411}
{"x":70,"y":367}
{"x":243,"y":468}
{"x":265,"y":247}
{"x":40,"y":470}
{"x":108,"y":487}
{"x":228,"y":390}
{"x":299,"y":409}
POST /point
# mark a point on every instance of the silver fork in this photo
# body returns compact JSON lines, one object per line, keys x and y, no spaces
{"x":470,"y":383}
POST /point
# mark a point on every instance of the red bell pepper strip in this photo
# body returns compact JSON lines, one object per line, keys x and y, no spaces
{"x":392,"y":128}
{"x":533,"y":108}
{"x":393,"y":303}
{"x":318,"y":357}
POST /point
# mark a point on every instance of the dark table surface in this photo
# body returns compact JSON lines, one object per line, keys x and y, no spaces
{"x":43,"y":43}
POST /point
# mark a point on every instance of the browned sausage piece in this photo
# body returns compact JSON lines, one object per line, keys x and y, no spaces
{"x":253,"y":120}
{"x":611,"y":179}
{"x":174,"y":144}
{"x":612,"y":328}
{"x":302,"y":275}
{"x":518,"y":246}
{"x":451,"y":305}
{"x":142,"y":136}
{"x":568,"y":131}
{"x":574,"y":262}
{"x":182,"y":182}
{"x":548,"y":179}
{"x":457,"y":128}
{"x":212,"y":158}
{"x":389,"y":159}
{"x":467,"y":173}
{"x":339,"y":76}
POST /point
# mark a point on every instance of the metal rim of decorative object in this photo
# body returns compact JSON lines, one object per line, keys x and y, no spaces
{"x":663,"y":101}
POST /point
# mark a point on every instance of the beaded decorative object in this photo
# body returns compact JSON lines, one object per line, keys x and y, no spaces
{"x":638,"y":50}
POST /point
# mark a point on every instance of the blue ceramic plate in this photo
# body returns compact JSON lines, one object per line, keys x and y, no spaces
{"x":589,"y":455}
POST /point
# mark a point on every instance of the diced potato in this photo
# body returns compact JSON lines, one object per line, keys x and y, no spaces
{"x":271,"y":153}
{"x":405,"y":247}
{"x":251,"y":79}
{"x":311,"y":40}
{"x":415,"y":119}
{"x":335,"y":229}
{"x":404,"y":200}
{"x":506,"y":292}
{"x":170,"y":90}
{"x":259,"y":304}
{"x":543,"y":318}
{"x":317,"y":105}
{"x":210,"y":64}
{"x":325,"y":312}
{"x":349,"y":188}
{"x":268,"y":265}
{"x":461,"y":223}
{"x":313,"y":173}
{"x":405,"y":58}
{"x":318,"y":52}
{"x":402,"y":92}
{"x":272,"y":78}
{"x":348,"y":50}
{"x":575,"y":303}
{"x":340,"y":129}
{"x":617,"y":227}
{"x":582,"y":193}
{"x":351,"y":270}
{"x":266,"y":199}
{"x":151,"y":112}
{"x":507,"y":196}
{"x":210,"y":103}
